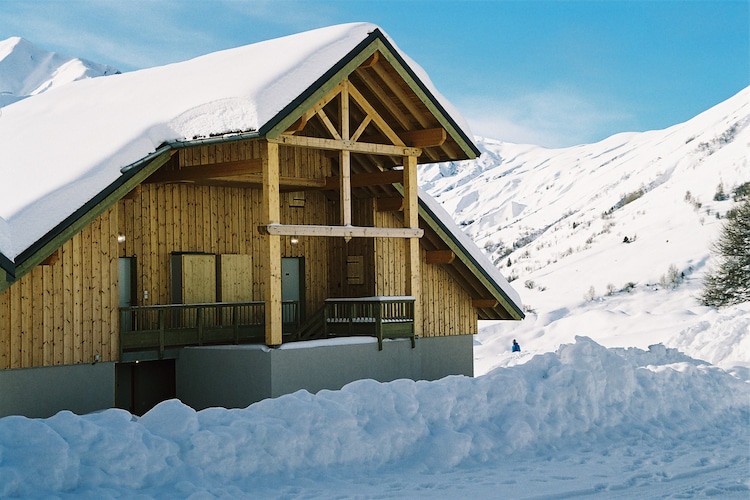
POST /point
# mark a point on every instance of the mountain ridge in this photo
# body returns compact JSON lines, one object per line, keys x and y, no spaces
{"x":27,"y":70}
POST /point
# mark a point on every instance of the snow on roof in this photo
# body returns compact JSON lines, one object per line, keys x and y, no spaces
{"x":471,"y":248}
{"x":63,"y":147}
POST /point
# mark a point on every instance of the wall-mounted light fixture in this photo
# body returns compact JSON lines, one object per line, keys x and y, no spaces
{"x":294,"y":240}
{"x":120,"y":238}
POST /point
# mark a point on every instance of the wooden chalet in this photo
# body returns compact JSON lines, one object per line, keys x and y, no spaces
{"x":217,"y":268}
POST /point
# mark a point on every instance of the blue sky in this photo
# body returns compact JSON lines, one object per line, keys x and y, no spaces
{"x":554,"y":73}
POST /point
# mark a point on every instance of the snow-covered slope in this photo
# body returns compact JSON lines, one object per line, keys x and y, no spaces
{"x":27,"y":70}
{"x":556,"y":220}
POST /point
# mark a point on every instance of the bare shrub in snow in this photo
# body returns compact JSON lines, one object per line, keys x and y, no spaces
{"x":590,"y":295}
{"x":672,"y":278}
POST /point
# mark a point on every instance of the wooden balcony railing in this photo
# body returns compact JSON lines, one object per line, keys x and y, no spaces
{"x":160,"y":327}
{"x":381,"y":317}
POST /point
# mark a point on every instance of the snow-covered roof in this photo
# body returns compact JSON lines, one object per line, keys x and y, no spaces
{"x":63,"y":148}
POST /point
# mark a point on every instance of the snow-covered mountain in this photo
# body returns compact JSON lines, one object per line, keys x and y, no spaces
{"x":27,"y":70}
{"x":577,"y":228}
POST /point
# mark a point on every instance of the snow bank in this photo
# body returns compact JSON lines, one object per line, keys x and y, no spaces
{"x":582,"y":394}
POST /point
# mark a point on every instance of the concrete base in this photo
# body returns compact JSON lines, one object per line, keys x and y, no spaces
{"x":237,"y":376}
{"x":42,"y":392}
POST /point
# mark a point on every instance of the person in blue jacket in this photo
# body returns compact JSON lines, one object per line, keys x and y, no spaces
{"x":516,"y":347}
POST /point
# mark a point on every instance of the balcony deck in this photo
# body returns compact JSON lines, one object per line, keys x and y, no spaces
{"x":158,"y":329}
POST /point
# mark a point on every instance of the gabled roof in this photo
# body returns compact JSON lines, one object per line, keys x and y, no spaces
{"x":69,"y":153}
{"x":61,"y":148}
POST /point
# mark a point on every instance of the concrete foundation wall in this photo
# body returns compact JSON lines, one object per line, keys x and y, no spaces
{"x":42,"y":392}
{"x":237,"y":376}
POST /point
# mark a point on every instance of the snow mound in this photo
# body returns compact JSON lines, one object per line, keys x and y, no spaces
{"x":581,"y":396}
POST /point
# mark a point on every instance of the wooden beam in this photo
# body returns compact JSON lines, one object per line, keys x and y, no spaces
{"x":484,"y":303}
{"x":341,"y":231}
{"x":440,"y":257}
{"x":343,"y":145}
{"x":329,"y":124}
{"x":299,"y":125}
{"x":212,"y":171}
{"x":50,"y":261}
{"x":134,"y":193}
{"x":378,"y":120}
{"x":372,"y":179}
{"x":383,"y":96}
{"x":271,"y":214}
{"x":345,"y":166}
{"x":411,"y":220}
{"x":425,"y":138}
{"x":362,"y":126}
{"x":395,"y":204}
{"x":371,"y":61}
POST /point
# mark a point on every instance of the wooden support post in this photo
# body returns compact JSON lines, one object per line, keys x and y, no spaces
{"x":411,"y":220}
{"x":345,"y":174}
{"x":272,"y":245}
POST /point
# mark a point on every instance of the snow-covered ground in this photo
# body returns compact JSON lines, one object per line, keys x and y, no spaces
{"x":583,"y":420}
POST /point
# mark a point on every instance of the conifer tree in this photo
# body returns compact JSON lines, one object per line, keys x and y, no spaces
{"x":730,"y":282}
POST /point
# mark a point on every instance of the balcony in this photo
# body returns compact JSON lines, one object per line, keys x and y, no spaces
{"x":156,"y":332}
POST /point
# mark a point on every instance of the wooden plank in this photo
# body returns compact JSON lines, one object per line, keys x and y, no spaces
{"x":77,"y":290}
{"x":90,"y":280}
{"x":37,"y":322}
{"x":5,"y":329}
{"x":344,"y":145}
{"x":440,"y":257}
{"x":100,"y":245}
{"x":272,"y":245}
{"x":340,"y":231}
{"x":489,"y":303}
{"x":112,"y":336}
{"x":424,"y":138}
{"x":58,"y":295}
{"x":411,"y":220}
{"x":394,"y":204}
{"x":16,"y":327}
{"x":48,"y":316}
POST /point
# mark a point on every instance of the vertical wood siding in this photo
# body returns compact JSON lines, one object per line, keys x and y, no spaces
{"x":63,"y":313}
{"x":446,"y":306}
{"x":67,"y":312}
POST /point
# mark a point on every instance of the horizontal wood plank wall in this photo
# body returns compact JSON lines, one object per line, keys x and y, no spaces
{"x":446,"y":306}
{"x":66,"y":312}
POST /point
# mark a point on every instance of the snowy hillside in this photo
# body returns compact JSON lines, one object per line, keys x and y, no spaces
{"x":555,"y":221}
{"x":27,"y":70}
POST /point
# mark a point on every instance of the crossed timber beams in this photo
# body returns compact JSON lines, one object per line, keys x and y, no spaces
{"x":345,"y":143}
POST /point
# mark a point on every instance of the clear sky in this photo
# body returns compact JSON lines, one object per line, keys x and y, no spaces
{"x":553,"y":73}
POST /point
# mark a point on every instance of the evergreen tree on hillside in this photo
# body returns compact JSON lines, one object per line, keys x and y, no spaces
{"x":730,"y":283}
